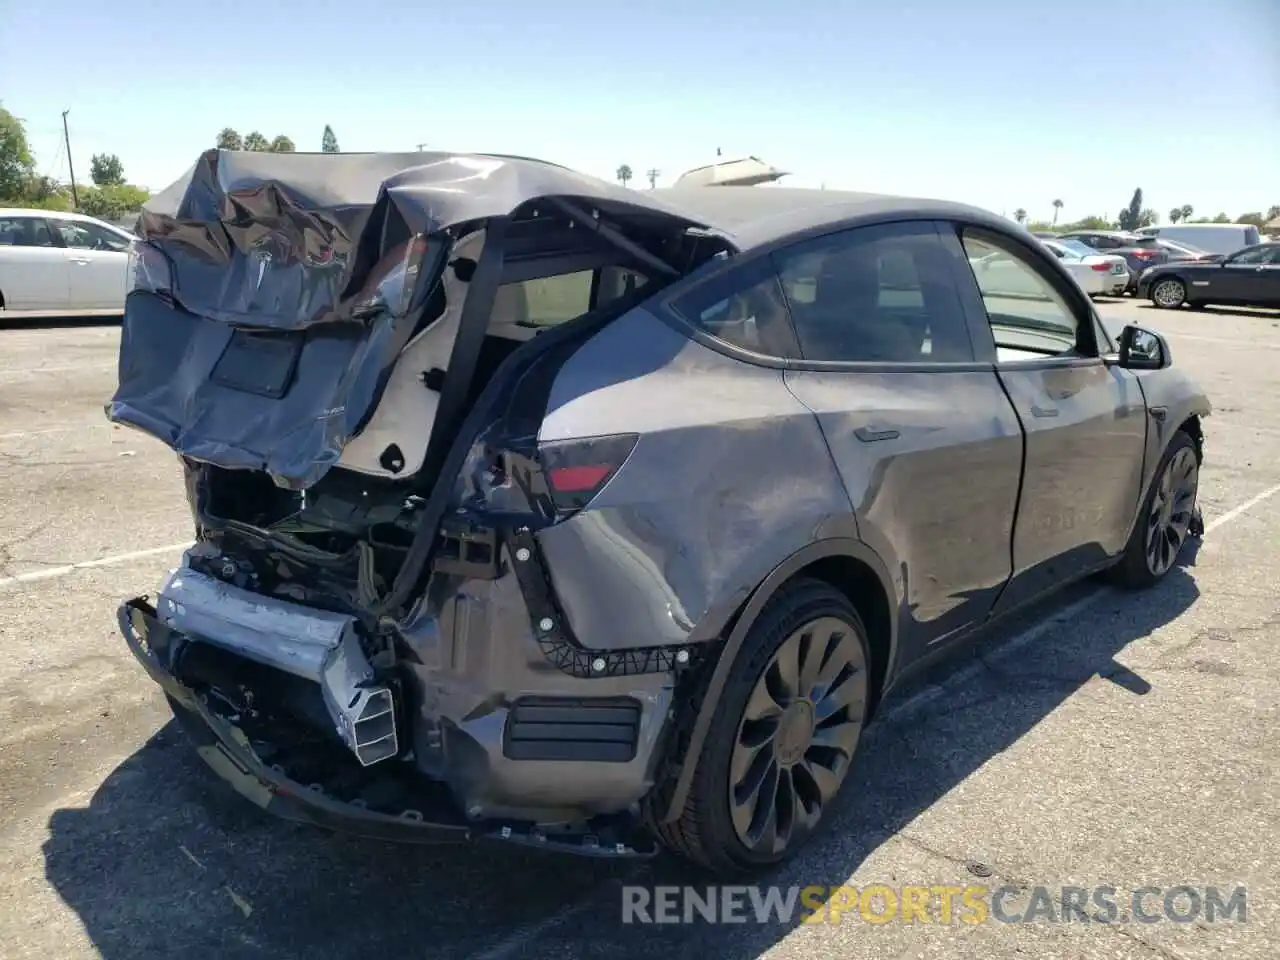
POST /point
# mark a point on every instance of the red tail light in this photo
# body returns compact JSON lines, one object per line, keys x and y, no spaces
{"x":577,"y":470}
{"x":1144,"y":254}
{"x":1101,"y":266}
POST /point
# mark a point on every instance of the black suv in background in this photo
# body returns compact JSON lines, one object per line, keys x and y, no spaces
{"x":1139,"y":252}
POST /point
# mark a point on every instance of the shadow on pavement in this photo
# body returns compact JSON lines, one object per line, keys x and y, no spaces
{"x":165,"y":861}
{"x":1245,"y":312}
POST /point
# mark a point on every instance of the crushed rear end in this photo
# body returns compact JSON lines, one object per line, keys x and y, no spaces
{"x":364,"y":634}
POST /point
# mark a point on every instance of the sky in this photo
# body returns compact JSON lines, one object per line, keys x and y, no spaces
{"x":1004,"y":104}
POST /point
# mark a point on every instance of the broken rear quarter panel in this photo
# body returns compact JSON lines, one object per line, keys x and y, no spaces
{"x":649,"y":564}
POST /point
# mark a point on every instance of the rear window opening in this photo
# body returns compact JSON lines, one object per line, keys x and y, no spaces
{"x":359,"y":524}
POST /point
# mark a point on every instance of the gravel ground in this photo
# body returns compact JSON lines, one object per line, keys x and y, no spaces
{"x":1113,"y":740}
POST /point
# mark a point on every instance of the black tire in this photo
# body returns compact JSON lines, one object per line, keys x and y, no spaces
{"x":1169,"y":293}
{"x":1135,"y":569}
{"x":705,"y":832}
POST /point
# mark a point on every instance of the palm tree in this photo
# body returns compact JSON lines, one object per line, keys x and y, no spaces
{"x":1020,"y":215}
{"x":1057,"y":205}
{"x":624,"y":174}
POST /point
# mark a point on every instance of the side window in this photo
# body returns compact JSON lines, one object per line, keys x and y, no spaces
{"x":90,"y":236}
{"x":883,"y":294}
{"x":743,"y":306}
{"x":25,"y":232}
{"x":1255,"y":256}
{"x":551,"y":301}
{"x":1028,"y":317}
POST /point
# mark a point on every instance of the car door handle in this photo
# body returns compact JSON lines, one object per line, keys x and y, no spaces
{"x":1043,"y":412}
{"x":867,"y":435}
{"x":80,"y":260}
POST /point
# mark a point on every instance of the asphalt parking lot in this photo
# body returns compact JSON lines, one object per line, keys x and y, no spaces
{"x":1122,"y":740}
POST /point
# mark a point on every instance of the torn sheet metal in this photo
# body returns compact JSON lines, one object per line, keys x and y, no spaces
{"x":273,"y":293}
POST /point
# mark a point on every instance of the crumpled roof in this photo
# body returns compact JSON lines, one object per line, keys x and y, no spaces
{"x":288,"y":240}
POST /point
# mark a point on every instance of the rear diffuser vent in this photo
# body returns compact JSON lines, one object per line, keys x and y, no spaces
{"x":600,"y":730}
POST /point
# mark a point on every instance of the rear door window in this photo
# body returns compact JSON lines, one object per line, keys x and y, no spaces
{"x":882,"y":294}
{"x":26,"y":232}
{"x":551,"y":301}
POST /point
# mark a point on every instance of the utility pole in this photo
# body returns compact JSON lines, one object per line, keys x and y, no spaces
{"x":653,"y":177}
{"x":421,"y":145}
{"x":66,"y":136}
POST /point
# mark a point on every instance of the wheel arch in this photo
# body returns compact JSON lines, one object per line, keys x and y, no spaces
{"x":849,"y":566}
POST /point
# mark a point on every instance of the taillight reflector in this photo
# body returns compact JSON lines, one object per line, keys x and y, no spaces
{"x":577,"y":470}
{"x":579,"y":479}
{"x":1101,"y":266}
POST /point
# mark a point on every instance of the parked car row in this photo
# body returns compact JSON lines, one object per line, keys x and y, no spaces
{"x":53,"y":262}
{"x":1247,"y":278}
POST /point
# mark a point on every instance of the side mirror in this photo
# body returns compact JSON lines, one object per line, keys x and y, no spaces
{"x":1142,"y":349}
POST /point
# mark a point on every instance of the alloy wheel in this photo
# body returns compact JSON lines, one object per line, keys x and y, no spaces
{"x":1172,"y":509}
{"x":797,"y":736}
{"x":1169,"y":293}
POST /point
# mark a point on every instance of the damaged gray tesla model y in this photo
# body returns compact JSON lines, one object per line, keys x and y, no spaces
{"x":535,"y":509}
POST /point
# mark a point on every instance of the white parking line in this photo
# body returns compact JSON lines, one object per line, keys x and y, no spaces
{"x":49,"y":431}
{"x":77,"y":368}
{"x":51,"y":573}
{"x":1243,"y":508}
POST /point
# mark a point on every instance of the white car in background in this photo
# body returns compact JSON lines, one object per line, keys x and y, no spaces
{"x":62,"y":263}
{"x":1099,"y":274}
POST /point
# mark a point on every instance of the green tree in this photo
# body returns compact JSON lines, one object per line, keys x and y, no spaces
{"x":16,"y":163}
{"x":228,"y":139}
{"x":1273,"y":212}
{"x":329,"y":142}
{"x":1131,"y":216}
{"x":112,"y":202}
{"x":106,"y":170}
{"x":1222,"y":218}
{"x":1148,"y":218}
{"x":1091,"y":223}
{"x":1020,"y":215}
{"x":624,"y":174}
{"x":257,"y":142}
{"x":45,"y":193}
{"x":1175,"y":214}
{"x":1257,"y":219}
{"x":281,"y":144}
{"x":1187,"y":211}
{"x":1057,"y":208}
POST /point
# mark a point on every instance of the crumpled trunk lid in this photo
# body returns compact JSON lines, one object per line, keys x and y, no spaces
{"x":272,"y":294}
{"x":265,"y":316}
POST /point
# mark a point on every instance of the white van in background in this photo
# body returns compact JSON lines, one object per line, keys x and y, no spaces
{"x":1210,"y":237}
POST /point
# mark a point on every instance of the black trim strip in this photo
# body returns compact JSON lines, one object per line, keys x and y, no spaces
{"x":556,"y":639}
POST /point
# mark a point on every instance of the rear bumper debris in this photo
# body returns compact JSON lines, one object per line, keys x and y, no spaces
{"x":258,"y":769}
